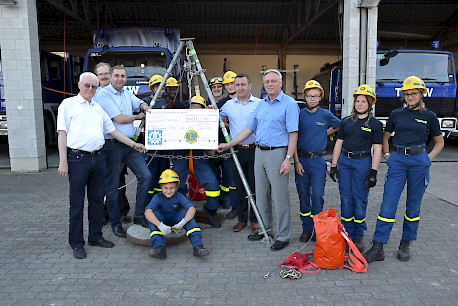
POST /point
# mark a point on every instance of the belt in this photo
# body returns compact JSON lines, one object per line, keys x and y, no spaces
{"x":83,"y":152}
{"x":246,"y":146}
{"x":409,"y":151}
{"x":310,"y":155}
{"x":356,"y":155}
{"x":264,"y":148}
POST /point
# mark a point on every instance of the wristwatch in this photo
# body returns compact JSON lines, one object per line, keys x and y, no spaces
{"x":289,"y":157}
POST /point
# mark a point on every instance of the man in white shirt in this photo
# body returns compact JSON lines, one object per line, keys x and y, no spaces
{"x":82,"y":124}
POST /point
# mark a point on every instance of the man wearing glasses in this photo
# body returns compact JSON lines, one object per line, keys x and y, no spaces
{"x":82,"y":124}
{"x":119,"y":104}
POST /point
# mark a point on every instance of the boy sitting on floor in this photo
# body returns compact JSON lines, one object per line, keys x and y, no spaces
{"x":169,"y":211}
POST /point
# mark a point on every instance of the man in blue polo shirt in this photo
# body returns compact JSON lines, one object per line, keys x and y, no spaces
{"x":119,"y":104}
{"x":238,"y":111}
{"x":275,"y":121}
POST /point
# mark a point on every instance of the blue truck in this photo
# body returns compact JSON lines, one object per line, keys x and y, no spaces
{"x":436,"y":68}
{"x":143,"y":51}
{"x":59,"y":78}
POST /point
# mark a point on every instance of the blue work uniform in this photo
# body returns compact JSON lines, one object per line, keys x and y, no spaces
{"x":156,"y":165}
{"x":409,"y":162}
{"x":170,"y":212}
{"x":204,"y":175}
{"x":223,"y":168}
{"x":311,"y":143}
{"x":355,"y":163}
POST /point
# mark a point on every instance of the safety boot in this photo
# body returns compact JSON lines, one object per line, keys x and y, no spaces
{"x":375,"y":253}
{"x":200,"y":251}
{"x":159,"y":252}
{"x":404,"y":252}
{"x":213,"y":218}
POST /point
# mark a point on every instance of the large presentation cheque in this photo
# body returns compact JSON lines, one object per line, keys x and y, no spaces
{"x":173,"y":129}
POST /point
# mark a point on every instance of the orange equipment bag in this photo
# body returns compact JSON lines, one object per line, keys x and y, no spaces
{"x":196,"y":190}
{"x":329,"y":250}
{"x":331,"y":239}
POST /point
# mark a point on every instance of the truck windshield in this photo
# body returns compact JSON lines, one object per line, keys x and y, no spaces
{"x":429,"y":66}
{"x":139,"y":64}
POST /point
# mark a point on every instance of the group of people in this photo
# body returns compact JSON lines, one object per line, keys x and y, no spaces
{"x":270,"y":135}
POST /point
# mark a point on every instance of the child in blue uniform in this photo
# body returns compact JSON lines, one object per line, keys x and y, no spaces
{"x":352,"y":162}
{"x":171,"y":210}
{"x":409,"y":162}
{"x":315,"y":124}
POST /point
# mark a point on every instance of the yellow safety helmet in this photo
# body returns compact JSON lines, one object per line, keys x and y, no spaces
{"x":229,"y":77}
{"x":199,"y":100}
{"x":413,"y":82}
{"x":155,"y":79}
{"x":169,"y":176}
{"x":171,"y":82}
{"x":215,"y":80}
{"x":365,"y":90}
{"x":313,"y":84}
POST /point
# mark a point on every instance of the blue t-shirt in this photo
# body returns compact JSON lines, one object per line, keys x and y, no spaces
{"x":313,"y":128}
{"x":169,"y":207}
{"x":358,"y":136}
{"x":412,"y":127}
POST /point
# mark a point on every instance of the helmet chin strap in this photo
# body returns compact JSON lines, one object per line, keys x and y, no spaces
{"x":414,"y":106}
{"x":361,"y":113}
{"x":310,"y":108}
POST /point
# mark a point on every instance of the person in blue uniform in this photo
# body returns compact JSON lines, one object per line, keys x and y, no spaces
{"x":409,"y":162}
{"x":315,"y":124}
{"x":172,"y":211}
{"x":202,"y":171}
{"x":223,"y":167}
{"x":156,"y":165}
{"x":354,"y":164}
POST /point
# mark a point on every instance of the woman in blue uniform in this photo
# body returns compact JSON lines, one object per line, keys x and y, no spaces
{"x":315,"y":124}
{"x":353,"y":163}
{"x":409,"y":162}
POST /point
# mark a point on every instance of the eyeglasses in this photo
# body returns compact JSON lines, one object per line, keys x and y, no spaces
{"x":216,"y":86}
{"x":313,"y":96}
{"x":89,"y":86}
{"x":413,"y":95}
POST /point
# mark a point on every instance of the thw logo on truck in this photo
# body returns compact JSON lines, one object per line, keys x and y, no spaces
{"x":133,"y":89}
{"x":429,"y":92}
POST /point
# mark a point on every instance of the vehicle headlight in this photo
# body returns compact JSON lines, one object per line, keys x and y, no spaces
{"x":448,"y":124}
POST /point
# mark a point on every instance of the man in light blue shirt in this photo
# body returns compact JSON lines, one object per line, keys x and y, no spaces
{"x":275,"y":121}
{"x":239,"y":111}
{"x":119,"y":104}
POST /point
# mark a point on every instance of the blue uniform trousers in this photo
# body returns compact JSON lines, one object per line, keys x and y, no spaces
{"x":204,"y":175}
{"x":224,"y":171}
{"x":401,"y":168}
{"x":353,"y":173}
{"x":193,"y":231}
{"x":310,"y":187}
{"x":86,"y":171}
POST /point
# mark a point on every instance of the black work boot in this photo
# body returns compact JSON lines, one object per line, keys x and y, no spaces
{"x":359,"y":244}
{"x":213,"y":218}
{"x":200,"y":251}
{"x":159,"y":252}
{"x":404,"y":252}
{"x":375,"y":253}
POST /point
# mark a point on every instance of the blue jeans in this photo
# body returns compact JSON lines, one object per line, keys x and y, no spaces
{"x":117,"y":153}
{"x":85,"y":171}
